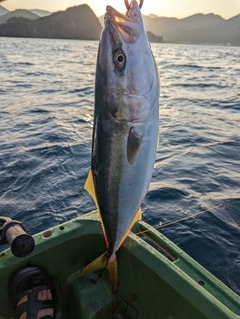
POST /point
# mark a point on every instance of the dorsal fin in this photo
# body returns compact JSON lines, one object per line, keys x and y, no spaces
{"x":90,"y":187}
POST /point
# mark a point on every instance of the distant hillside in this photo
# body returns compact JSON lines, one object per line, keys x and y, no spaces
{"x":18,"y":13}
{"x":233,"y":30}
{"x":41,"y":13}
{"x":154,"y":38}
{"x":199,"y":28}
{"x":153,"y":16}
{"x":3,"y":11}
{"x":75,"y":23}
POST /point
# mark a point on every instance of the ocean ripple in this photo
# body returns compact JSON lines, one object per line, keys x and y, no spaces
{"x":46,"y":119}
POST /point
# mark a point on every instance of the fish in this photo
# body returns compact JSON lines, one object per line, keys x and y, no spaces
{"x":125,"y":130}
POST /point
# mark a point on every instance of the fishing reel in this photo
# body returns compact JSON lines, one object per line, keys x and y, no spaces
{"x":13,"y":233}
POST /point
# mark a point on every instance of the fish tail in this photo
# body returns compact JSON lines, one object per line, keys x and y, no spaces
{"x":112,"y":269}
{"x":103,"y":262}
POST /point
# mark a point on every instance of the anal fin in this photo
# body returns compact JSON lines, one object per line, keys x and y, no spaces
{"x":137,"y":217}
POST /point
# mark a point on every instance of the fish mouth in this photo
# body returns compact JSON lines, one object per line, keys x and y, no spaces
{"x":128,"y":25}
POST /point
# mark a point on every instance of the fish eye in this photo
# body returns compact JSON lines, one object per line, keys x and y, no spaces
{"x":120,"y":59}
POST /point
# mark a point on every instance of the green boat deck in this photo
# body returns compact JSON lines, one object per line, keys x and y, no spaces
{"x":155,"y":281}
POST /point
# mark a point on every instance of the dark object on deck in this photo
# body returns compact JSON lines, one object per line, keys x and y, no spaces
{"x":12,"y":232}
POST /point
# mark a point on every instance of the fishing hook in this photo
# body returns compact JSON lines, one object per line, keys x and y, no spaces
{"x":128,"y":5}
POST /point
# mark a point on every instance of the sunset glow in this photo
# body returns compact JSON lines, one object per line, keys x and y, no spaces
{"x":170,"y":8}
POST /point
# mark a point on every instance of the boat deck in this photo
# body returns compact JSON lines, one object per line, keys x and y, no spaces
{"x":156,"y":278}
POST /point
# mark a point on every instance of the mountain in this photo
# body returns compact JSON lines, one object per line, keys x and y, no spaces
{"x":18,"y":13}
{"x":154,"y":38}
{"x":75,"y":23}
{"x":199,"y":28}
{"x":41,"y":13}
{"x":3,"y":11}
{"x":153,"y":16}
{"x":101,"y":20}
{"x":233,"y":33}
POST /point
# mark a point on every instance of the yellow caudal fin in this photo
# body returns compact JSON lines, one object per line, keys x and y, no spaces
{"x":90,"y":187}
{"x":99,"y":263}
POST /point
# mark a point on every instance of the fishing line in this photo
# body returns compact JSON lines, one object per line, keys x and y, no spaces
{"x":188,"y":217}
{"x":192,"y":216}
{"x":235,"y":222}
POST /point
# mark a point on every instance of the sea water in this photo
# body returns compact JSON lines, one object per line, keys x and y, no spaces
{"x":46,"y":120}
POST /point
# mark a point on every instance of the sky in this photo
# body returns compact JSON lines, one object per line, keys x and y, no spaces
{"x":167,"y":8}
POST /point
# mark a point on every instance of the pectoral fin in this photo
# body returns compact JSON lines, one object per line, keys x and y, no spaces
{"x":133,"y":146}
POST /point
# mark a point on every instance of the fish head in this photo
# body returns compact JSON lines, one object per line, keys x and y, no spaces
{"x":129,"y":73}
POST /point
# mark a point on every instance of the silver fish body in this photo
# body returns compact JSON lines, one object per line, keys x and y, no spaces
{"x":126,"y":122}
